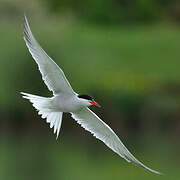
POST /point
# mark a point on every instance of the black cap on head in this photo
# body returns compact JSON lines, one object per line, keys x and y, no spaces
{"x":85,"y":96}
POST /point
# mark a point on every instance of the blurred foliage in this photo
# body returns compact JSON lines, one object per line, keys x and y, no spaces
{"x":32,"y":158}
{"x":13,"y":10}
{"x":112,"y":59}
{"x":123,"y":68}
{"x":132,"y":71}
{"x":118,"y":11}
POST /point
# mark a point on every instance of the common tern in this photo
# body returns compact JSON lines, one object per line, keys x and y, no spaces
{"x":66,"y":100}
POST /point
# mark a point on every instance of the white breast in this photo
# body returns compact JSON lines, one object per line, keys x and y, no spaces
{"x":66,"y":103}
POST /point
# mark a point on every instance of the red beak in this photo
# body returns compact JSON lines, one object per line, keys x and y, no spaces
{"x":95,"y":103}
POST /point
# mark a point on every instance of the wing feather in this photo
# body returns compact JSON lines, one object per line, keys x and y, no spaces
{"x":92,"y":123}
{"x":52,"y":75}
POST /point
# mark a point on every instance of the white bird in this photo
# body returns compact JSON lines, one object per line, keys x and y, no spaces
{"x":66,"y":100}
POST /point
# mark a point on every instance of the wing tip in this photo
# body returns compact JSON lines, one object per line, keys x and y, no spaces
{"x":147,"y":168}
{"x":26,"y":30}
{"x":155,"y":172}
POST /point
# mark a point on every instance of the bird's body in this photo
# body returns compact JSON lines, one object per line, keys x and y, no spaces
{"x":66,"y":103}
{"x":65,"y":99}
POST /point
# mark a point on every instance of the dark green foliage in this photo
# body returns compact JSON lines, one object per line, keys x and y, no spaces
{"x":118,"y":11}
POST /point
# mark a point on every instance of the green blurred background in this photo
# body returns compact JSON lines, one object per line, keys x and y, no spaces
{"x":126,"y":54}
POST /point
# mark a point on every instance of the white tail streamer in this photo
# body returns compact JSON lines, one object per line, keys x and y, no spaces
{"x":42,"y":104}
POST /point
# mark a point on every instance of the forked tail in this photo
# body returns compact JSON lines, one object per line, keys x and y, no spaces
{"x":43,"y":106}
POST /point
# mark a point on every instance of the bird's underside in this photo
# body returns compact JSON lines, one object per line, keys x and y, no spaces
{"x":56,"y":82}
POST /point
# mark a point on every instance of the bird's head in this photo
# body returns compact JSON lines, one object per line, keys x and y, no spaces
{"x":87,"y":100}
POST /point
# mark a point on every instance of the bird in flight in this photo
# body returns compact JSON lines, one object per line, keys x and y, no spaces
{"x":66,"y":100}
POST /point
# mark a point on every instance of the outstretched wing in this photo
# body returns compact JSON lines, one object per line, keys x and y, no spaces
{"x":92,"y":123}
{"x":52,"y":75}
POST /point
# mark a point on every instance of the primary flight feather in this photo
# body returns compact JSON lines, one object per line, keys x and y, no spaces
{"x":66,"y":100}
